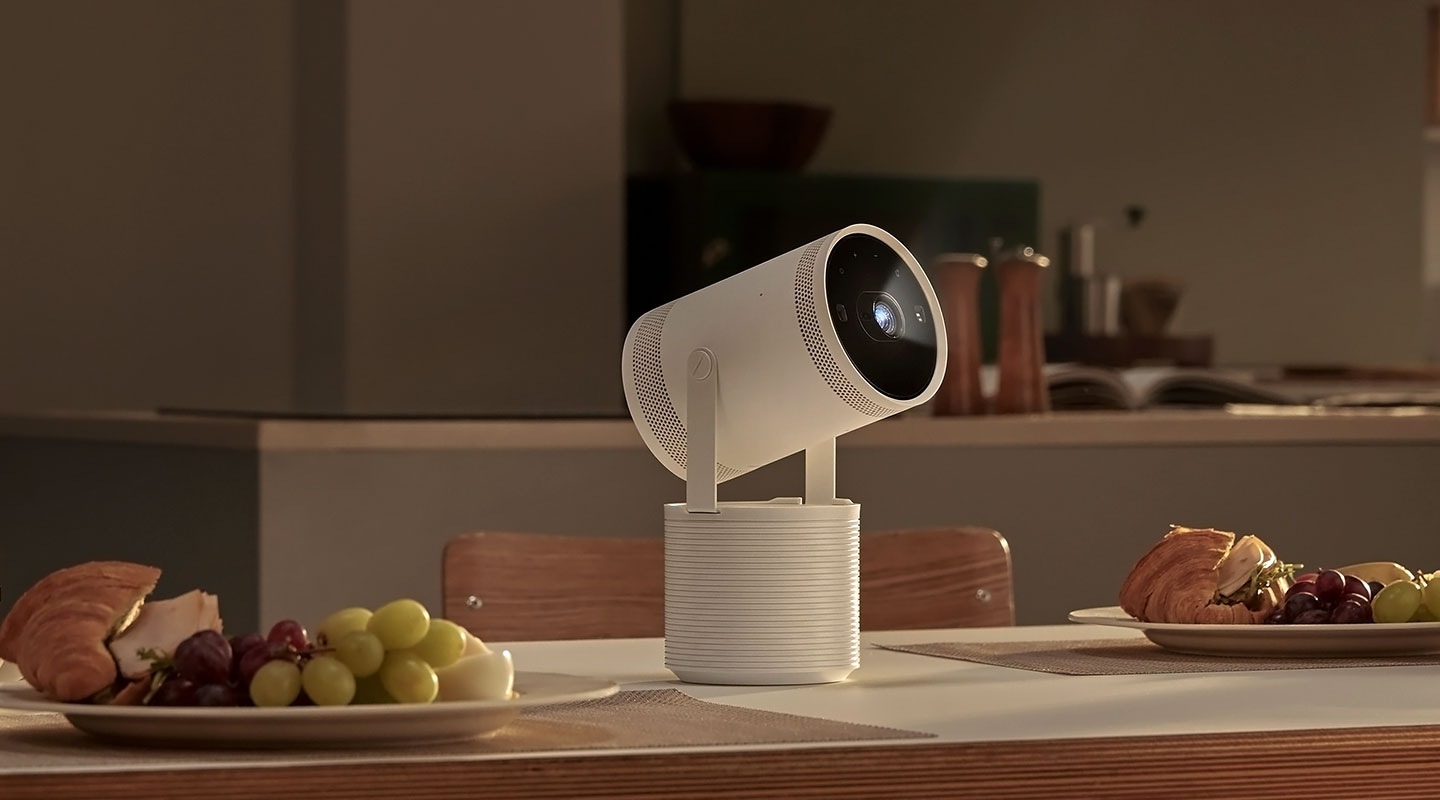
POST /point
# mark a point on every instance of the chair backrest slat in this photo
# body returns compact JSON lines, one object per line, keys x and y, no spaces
{"x":530,"y":586}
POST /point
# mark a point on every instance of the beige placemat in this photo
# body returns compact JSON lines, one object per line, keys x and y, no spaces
{"x":635,"y":719}
{"x":1129,"y":657}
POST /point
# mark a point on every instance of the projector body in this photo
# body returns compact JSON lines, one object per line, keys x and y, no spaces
{"x":800,"y":355}
{"x":781,"y":358}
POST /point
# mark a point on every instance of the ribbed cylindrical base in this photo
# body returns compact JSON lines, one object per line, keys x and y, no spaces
{"x":762,"y":593}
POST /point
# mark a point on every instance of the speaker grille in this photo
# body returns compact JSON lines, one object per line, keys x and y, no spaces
{"x":656,"y":407}
{"x":805,"y":310}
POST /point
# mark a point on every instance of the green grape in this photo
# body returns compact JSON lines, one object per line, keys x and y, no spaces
{"x":400,"y":624}
{"x":335,"y":626}
{"x":443,"y":644}
{"x":362,"y":652}
{"x":408,"y":679}
{"x":275,"y":684}
{"x":369,"y":692}
{"x":328,"y":682}
{"x":1431,"y":597}
{"x":1397,"y":602}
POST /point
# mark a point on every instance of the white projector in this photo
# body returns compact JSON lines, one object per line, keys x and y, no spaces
{"x":776,"y":360}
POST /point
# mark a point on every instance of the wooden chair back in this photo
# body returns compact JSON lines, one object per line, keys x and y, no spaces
{"x":530,"y":586}
{"x":935,"y":578}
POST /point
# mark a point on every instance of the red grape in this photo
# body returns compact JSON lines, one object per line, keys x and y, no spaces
{"x":1351,"y":611}
{"x":1299,"y":603}
{"x":203,"y":658}
{"x":288,"y":631}
{"x":174,"y":692}
{"x":1301,"y":586}
{"x":1354,"y":585}
{"x":257,"y":657}
{"x":216,"y":694}
{"x":1312,"y":617}
{"x":239,"y":644}
{"x":1329,"y":585}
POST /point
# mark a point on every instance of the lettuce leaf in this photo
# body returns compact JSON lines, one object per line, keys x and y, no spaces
{"x":1263,"y":577}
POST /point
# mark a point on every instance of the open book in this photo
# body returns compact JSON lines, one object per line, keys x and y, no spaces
{"x":1074,"y":388}
{"x":1077,"y":388}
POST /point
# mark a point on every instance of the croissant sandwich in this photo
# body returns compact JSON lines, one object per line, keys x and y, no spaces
{"x":85,"y":633}
{"x":1206,"y":576}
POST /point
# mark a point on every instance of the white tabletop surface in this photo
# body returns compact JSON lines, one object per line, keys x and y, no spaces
{"x":963,"y":702}
{"x":959,"y":702}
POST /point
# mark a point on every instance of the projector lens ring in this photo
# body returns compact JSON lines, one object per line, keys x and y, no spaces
{"x":887,"y":316}
{"x":880,"y":316}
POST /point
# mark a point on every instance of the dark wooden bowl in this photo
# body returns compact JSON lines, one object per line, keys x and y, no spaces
{"x":748,"y":134}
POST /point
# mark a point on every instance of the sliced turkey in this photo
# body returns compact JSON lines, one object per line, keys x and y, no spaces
{"x":160,"y":627}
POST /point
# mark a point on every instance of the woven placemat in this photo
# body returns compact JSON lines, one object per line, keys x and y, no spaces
{"x":635,"y":719}
{"x":1129,"y":657}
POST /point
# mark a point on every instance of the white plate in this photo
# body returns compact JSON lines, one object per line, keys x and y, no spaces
{"x":313,"y":726}
{"x":1334,"y":641}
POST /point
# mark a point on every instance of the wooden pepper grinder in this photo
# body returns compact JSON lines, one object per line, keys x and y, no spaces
{"x":1021,"y":353}
{"x":957,"y":279}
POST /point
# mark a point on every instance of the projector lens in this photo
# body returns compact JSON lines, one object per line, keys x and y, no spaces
{"x":880,"y":316}
{"x":886,"y":317}
{"x":890,"y":331}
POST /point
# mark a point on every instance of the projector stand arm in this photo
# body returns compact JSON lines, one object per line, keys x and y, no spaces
{"x":820,"y":473}
{"x":700,"y":399}
{"x":701,"y":392}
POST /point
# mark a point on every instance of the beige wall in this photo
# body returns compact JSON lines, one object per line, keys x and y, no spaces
{"x":149,"y":171}
{"x":484,"y":195}
{"x":651,"y":80}
{"x":146,"y":226}
{"x":1432,"y":246}
{"x":1276,"y":146}
{"x":343,"y":204}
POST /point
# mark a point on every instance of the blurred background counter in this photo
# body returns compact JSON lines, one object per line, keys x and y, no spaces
{"x":294,"y":517}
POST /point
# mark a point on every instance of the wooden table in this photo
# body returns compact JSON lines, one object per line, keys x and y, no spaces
{"x":997,"y":733}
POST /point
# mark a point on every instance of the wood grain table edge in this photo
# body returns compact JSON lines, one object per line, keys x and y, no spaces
{"x":1341,"y":764}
